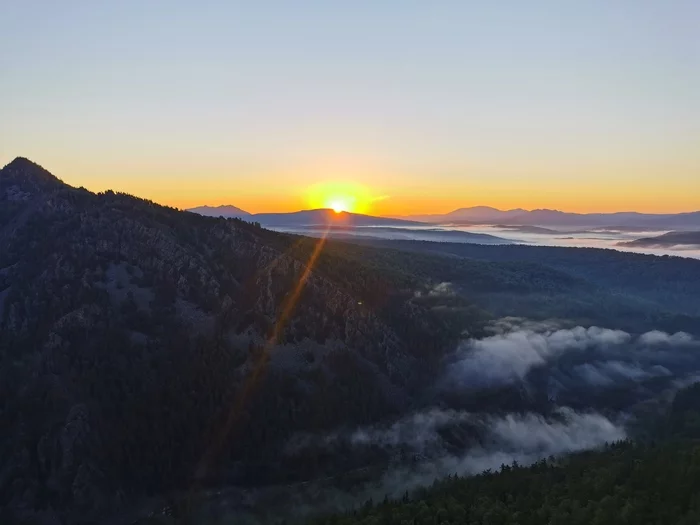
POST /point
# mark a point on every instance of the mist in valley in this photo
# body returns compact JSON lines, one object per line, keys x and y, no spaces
{"x":528,"y":390}
{"x":614,"y":239}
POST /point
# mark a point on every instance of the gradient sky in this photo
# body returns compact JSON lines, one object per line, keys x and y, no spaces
{"x":583,"y":106}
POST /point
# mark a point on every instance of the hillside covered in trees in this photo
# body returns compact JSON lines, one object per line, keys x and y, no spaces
{"x":625,"y":483}
{"x":650,"y":482}
{"x":639,"y":289}
{"x":145,"y":350}
{"x":137,"y":340}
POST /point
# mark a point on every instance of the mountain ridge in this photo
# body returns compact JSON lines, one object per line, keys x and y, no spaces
{"x":128,"y":329}
{"x":313,"y":217}
{"x":552,"y":218}
{"x":224,"y":210}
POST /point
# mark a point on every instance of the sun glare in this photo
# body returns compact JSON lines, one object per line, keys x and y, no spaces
{"x":340,"y":197}
{"x":340,"y":204}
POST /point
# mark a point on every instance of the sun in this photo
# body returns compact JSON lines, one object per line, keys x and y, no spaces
{"x":340,"y":204}
{"x":340,"y":197}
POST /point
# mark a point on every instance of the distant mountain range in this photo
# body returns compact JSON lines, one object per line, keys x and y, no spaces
{"x":477,"y":215}
{"x":304,"y":218}
{"x":225,"y":210}
{"x":559,"y":219}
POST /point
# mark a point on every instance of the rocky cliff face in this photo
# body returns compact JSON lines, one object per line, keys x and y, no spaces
{"x":129,"y":331}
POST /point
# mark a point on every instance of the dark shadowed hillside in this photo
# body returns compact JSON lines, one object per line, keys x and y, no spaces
{"x":660,"y":290}
{"x":144,"y":349}
{"x":628,"y":482}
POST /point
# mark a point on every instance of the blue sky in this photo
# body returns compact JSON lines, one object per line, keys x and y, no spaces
{"x":578,"y":105}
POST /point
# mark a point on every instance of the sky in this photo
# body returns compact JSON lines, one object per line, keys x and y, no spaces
{"x":411,"y":106}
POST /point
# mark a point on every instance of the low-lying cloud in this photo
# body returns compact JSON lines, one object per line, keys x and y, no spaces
{"x":521,"y":438}
{"x":503,"y":439}
{"x":529,"y":390}
{"x":568,"y":432}
{"x":417,"y":431}
{"x":662,"y":338}
{"x":594,"y":355}
{"x":519,"y":435}
{"x":510,"y":356}
{"x":609,"y":373}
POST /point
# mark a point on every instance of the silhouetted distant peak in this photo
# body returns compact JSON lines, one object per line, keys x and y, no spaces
{"x":22,"y":177}
{"x":482,"y":213}
{"x":225,"y":210}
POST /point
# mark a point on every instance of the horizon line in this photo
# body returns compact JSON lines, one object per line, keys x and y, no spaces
{"x":406,"y":216}
{"x":434,"y":214}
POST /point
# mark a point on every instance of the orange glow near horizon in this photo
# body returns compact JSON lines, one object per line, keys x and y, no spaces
{"x":428,"y":201}
{"x":388,"y":195}
{"x":410,"y":204}
{"x":387,"y":190}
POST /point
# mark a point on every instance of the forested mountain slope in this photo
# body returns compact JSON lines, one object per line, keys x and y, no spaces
{"x":654,"y":481}
{"x":664,"y":284}
{"x":144,"y":349}
{"x":624,"y":484}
